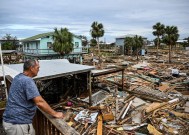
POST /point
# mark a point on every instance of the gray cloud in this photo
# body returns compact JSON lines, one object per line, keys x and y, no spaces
{"x":24,"y":18}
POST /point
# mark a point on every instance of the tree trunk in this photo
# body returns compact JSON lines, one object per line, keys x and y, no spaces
{"x":98,"y":46}
{"x":169,"y":53}
{"x":157,"y":47}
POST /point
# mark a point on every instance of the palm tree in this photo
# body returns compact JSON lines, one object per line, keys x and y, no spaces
{"x":135,"y":43}
{"x":96,"y":32}
{"x":170,"y":37}
{"x":138,"y":43}
{"x":62,"y":41}
{"x":8,"y":37}
{"x":128,"y":43}
{"x":93,"y":43}
{"x":155,"y":41}
{"x":159,"y":30}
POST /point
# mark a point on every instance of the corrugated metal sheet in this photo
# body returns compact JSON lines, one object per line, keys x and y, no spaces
{"x":97,"y":97}
{"x":50,"y":69}
{"x":8,"y":71}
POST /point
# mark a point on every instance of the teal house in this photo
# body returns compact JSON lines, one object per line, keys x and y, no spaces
{"x":41,"y":47}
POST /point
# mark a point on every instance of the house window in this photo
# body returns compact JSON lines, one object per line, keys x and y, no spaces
{"x":49,"y":45}
{"x":76,"y":44}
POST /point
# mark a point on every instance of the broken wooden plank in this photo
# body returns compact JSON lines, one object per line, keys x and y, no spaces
{"x":99,"y":126}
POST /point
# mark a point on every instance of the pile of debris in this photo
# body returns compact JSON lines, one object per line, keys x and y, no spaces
{"x":123,"y":113}
{"x":152,"y":102}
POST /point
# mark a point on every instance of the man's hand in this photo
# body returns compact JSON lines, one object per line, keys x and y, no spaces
{"x":59,"y":115}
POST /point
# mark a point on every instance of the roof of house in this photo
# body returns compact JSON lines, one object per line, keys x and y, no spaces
{"x":49,"y":69}
{"x":37,"y":37}
{"x":128,"y":35}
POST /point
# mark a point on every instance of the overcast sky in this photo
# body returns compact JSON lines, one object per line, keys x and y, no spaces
{"x":25,"y":18}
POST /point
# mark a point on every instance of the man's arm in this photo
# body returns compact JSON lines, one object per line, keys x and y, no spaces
{"x":44,"y":106}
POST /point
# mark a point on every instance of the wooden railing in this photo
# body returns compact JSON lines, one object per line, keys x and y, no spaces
{"x":45,"y":124}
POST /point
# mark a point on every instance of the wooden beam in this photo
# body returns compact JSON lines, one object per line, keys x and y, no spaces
{"x":99,"y":126}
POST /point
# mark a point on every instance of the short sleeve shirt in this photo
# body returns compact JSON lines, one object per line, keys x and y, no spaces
{"x":20,"y":108}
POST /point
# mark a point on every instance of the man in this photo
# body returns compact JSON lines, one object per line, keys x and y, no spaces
{"x":23,"y":100}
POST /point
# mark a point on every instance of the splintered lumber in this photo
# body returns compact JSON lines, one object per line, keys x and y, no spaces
{"x":176,"y":80}
{"x":96,"y":107}
{"x":120,"y":114}
{"x":82,"y":128}
{"x":126,"y":104}
{"x":99,"y":126}
{"x":116,"y":115}
{"x":153,"y":130}
{"x":107,"y":114}
{"x":112,"y":130}
{"x":155,"y":106}
{"x":171,"y":88}
{"x":124,"y":120}
{"x":163,"y":88}
{"x":127,"y":109}
{"x":88,"y":128}
{"x":182,"y":115}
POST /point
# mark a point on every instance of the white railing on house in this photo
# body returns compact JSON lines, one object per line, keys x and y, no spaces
{"x":50,"y":51}
{"x":39,"y":51}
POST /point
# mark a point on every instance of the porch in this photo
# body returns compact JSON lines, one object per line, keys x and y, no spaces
{"x":50,"y":51}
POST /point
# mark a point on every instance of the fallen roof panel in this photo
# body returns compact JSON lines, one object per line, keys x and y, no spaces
{"x":53,"y":68}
